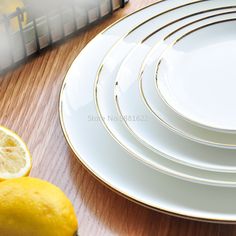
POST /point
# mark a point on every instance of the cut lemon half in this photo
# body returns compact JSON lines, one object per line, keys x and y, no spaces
{"x":15,"y":158}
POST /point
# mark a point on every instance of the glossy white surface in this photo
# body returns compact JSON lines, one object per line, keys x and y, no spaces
{"x":152,"y":132}
{"x":109,"y":161}
{"x":197,"y":75}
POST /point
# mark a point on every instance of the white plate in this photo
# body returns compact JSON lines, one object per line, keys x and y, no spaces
{"x":109,"y":161}
{"x":152,"y":133}
{"x":196,"y":77}
{"x":164,"y":113}
{"x":109,"y":116}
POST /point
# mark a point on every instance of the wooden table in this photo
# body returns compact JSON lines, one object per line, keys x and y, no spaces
{"x":29,"y":105}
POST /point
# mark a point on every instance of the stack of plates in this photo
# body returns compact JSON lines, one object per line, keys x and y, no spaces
{"x":149,"y":108}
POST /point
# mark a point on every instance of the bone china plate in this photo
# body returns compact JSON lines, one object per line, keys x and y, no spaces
{"x":107,"y":160}
{"x":196,"y":77}
{"x":155,"y":103}
{"x":152,"y":133}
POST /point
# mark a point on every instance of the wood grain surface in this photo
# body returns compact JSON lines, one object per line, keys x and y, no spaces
{"x":29,"y":105}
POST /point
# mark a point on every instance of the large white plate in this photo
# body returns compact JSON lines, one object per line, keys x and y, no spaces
{"x":152,"y":133}
{"x":106,"y":108}
{"x":196,"y":77}
{"x":109,"y":161}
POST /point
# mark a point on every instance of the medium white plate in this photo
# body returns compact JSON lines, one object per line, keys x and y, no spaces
{"x":163,"y":112}
{"x":107,"y":160}
{"x":196,"y":77}
{"x":152,"y":133}
{"x":109,"y":116}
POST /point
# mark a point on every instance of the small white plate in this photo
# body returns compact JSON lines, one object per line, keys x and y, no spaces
{"x":197,"y":77}
{"x":107,"y":160}
{"x":152,"y":133}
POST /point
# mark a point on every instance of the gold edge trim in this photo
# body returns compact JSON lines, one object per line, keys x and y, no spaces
{"x":212,"y":128}
{"x":153,"y":17}
{"x":131,"y":31}
{"x":182,"y":133}
{"x":188,"y":16}
{"x":99,"y":178}
{"x":133,"y":198}
{"x":122,"y":193}
{"x":134,"y":28}
{"x":162,"y":168}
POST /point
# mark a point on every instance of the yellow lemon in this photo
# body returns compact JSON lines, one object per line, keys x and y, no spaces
{"x":8,"y":7}
{"x":15,"y":158}
{"x":33,"y":207}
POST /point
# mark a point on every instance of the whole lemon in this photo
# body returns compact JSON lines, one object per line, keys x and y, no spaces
{"x":33,"y":207}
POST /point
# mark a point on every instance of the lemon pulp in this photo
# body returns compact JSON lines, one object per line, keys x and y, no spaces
{"x":15,"y":159}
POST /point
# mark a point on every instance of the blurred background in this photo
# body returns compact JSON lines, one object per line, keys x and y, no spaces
{"x":29,"y":26}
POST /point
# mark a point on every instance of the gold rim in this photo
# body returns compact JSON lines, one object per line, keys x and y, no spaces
{"x":158,"y":67}
{"x":166,"y":170}
{"x":103,"y":181}
{"x":126,"y":195}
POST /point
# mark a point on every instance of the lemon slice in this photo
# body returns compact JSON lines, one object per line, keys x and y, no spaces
{"x":15,"y":158}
